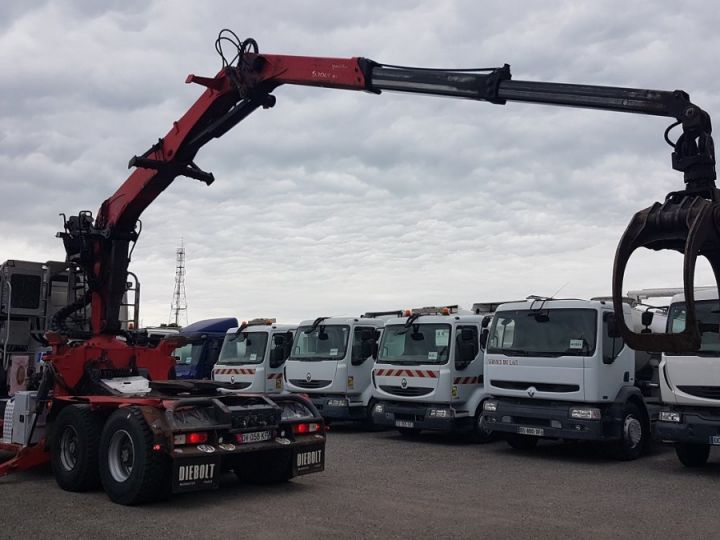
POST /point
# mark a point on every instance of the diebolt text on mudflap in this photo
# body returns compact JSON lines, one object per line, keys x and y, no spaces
{"x":86,"y":367}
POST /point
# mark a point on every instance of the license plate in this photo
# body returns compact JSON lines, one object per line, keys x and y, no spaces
{"x":195,"y":473}
{"x":309,"y":460}
{"x":538,"y":432}
{"x":715,"y":440}
{"x":404,"y":423}
{"x":255,"y":436}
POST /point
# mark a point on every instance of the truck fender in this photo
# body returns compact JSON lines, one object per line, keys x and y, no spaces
{"x":626,"y":394}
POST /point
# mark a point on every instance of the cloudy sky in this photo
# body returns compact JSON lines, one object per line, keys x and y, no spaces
{"x":340,"y":202}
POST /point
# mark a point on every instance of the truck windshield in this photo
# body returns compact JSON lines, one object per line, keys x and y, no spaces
{"x":415,"y":344}
{"x":246,"y":348}
{"x":708,"y":315}
{"x":548,"y":332}
{"x":322,"y":343}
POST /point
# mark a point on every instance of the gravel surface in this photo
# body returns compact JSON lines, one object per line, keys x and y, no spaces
{"x":379,"y":484}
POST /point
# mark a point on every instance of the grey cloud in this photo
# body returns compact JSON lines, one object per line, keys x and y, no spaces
{"x":339,"y":202}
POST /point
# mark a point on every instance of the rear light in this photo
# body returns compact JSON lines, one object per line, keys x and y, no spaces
{"x":195,"y":437}
{"x":305,"y":428}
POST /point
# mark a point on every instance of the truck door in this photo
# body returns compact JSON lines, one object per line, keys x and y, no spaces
{"x":278,"y":353}
{"x":467,"y":364}
{"x":361,"y":362}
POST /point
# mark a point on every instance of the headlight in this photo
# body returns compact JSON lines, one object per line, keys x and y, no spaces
{"x":585,"y":413}
{"x":379,"y":408}
{"x":337,"y":402}
{"x":440,"y":413}
{"x":490,"y":406}
{"x":670,"y":416}
{"x":292,"y":410}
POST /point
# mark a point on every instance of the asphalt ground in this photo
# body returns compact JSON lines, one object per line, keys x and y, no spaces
{"x":381,"y":485}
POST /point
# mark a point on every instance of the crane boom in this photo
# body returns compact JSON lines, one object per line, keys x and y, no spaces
{"x":246,"y":83}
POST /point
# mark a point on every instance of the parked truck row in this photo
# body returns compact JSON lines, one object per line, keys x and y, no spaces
{"x":525,"y":370}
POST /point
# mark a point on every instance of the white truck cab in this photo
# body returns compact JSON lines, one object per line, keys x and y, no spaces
{"x":558,"y":369}
{"x":331,"y":361}
{"x":253,"y":356}
{"x":690,"y":383}
{"x":429,"y":372}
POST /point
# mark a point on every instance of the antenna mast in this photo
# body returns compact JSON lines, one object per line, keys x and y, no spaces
{"x":178,"y":306}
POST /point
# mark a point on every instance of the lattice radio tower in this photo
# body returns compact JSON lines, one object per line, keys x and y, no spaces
{"x":178,"y":306}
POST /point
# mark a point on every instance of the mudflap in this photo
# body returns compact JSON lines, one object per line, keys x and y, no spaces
{"x":308,"y":459}
{"x":194,"y":474}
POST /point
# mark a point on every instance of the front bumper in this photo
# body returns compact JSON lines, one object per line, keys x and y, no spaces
{"x":550,"y":419}
{"x":329,"y":407}
{"x":417,"y":416}
{"x":696,"y":426}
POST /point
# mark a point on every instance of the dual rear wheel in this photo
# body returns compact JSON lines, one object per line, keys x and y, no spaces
{"x":118,"y":455}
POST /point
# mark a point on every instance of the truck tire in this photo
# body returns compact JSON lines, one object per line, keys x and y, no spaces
{"x":480,"y":434}
{"x":692,"y":455}
{"x":521,"y":442}
{"x":633,"y":433}
{"x":74,"y":448}
{"x":267,"y":468}
{"x":130,"y":470}
{"x":368,"y":422}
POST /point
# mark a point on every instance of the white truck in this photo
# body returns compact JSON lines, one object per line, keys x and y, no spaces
{"x":331,"y":362}
{"x":690,"y":384}
{"x":253,"y":355}
{"x":429,"y":372}
{"x":558,"y":369}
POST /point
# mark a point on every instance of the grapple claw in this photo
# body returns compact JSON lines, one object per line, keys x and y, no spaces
{"x":684,"y":223}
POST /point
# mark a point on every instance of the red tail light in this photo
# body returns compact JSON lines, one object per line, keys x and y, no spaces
{"x":195,"y":437}
{"x":303,"y":429}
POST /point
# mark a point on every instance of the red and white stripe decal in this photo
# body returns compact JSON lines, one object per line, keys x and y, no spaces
{"x":234,"y":371}
{"x":274,"y":376}
{"x":466,"y":380}
{"x":406,"y":373}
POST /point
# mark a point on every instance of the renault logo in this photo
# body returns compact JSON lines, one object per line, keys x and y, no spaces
{"x":232,"y":379}
{"x":531,"y":391}
{"x":308,"y":377}
{"x":403,"y":383}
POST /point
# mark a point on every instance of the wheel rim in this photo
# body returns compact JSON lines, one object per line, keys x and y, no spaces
{"x":121,"y":456}
{"x":69,"y":448}
{"x":633,"y":431}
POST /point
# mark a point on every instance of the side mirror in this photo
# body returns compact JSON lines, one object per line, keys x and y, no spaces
{"x":647,"y":318}
{"x":277,"y":357}
{"x":484,"y":337}
{"x":464,"y":354}
{"x":375,"y":350}
{"x":613,"y":330}
{"x":486,"y":321}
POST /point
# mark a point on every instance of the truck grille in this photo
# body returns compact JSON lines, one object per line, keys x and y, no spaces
{"x":707,"y":392}
{"x":410,"y":391}
{"x":540,"y":387}
{"x":302,"y":383}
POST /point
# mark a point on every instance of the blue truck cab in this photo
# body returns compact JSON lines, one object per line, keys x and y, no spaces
{"x":195,"y":360}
